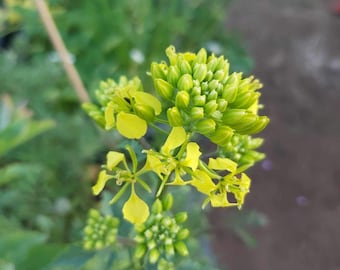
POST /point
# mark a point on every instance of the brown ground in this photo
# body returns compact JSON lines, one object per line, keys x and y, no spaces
{"x":296,"y":49}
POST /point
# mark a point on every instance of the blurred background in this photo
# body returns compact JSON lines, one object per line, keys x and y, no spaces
{"x":50,"y":151}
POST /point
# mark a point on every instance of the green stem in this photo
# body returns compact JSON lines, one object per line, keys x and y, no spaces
{"x":159,"y":129}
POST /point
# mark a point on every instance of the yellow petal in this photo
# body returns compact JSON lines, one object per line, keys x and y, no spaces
{"x":135,"y":209}
{"x":176,"y":138}
{"x":178,"y":181}
{"x":148,"y":99}
{"x":103,"y":177}
{"x":220,"y":200}
{"x":154,"y":164}
{"x":113,"y":159}
{"x":203,"y":182}
{"x":222,"y":164}
{"x":131,"y":126}
{"x":109,"y":116}
{"x":193,"y":155}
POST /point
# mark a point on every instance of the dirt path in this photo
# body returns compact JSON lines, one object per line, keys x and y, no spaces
{"x":296,"y":49}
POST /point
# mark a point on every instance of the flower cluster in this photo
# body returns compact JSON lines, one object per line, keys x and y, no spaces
{"x":197,"y":96}
{"x":100,"y":231}
{"x":162,"y":236}
{"x":202,"y":96}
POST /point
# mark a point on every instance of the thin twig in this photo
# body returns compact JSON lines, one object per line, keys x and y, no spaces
{"x":59,"y":46}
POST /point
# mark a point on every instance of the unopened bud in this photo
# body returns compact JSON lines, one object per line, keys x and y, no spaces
{"x":219,"y":75}
{"x":185,"y":83}
{"x":173,"y":75}
{"x":197,"y":112}
{"x":167,"y":201}
{"x":201,"y":56}
{"x":157,"y":72}
{"x":196,"y":91}
{"x":145,"y":112}
{"x":222,"y":105}
{"x":200,"y":71}
{"x":169,"y":250}
{"x":181,"y":217}
{"x":154,"y":255}
{"x":205,"y":126}
{"x":184,"y":66}
{"x":157,"y":207}
{"x":140,"y":251}
{"x":174,"y":117}
{"x":182,"y":234}
{"x":163,"y":88}
{"x":212,"y":64}
{"x":182,"y":99}
{"x":210,"y":107}
{"x":209,"y":75}
{"x":230,"y":89}
{"x":222,"y":135}
{"x":181,"y":248}
{"x":199,"y":100}
{"x":213,"y":84}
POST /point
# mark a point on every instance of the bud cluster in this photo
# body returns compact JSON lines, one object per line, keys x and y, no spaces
{"x":242,"y":149}
{"x":204,"y":97}
{"x":99,"y":231}
{"x":162,"y":235}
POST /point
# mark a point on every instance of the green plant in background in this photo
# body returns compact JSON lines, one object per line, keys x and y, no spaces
{"x":197,"y":97}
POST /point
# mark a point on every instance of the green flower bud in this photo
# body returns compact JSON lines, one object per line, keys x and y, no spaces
{"x":153,"y":256}
{"x":209,"y":75}
{"x":197,"y":112}
{"x":213,"y":95}
{"x":245,"y":122}
{"x":145,"y":112}
{"x":213,"y":84}
{"x":220,"y":63}
{"x":174,"y":117}
{"x":173,"y":75}
{"x":233,"y":116}
{"x":140,"y":251}
{"x":196,"y":91}
{"x":222,"y":135}
{"x":167,"y":202}
{"x":169,"y":250}
{"x":185,"y":82}
{"x":171,"y":54}
{"x":184,"y":66}
{"x":151,"y":244}
{"x":204,"y":86}
{"x":182,"y":99}
{"x":181,"y":248}
{"x":255,"y":143}
{"x":210,"y":107}
{"x":205,"y":126}
{"x":212,"y":64}
{"x":164,"y":89}
{"x":230,"y":90}
{"x":200,"y":71}
{"x":99,"y":245}
{"x":148,"y":234}
{"x":157,"y":72}
{"x":182,"y":234}
{"x":201,"y":56}
{"x":258,"y":126}
{"x":157,"y":207}
{"x":222,"y":105}
{"x":88,"y":245}
{"x":219,"y":75}
{"x":249,"y":100}
{"x":199,"y":100}
{"x":181,"y":217}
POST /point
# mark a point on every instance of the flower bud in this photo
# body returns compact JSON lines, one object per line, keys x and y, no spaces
{"x":181,"y":217}
{"x":184,"y":66}
{"x":210,"y":107}
{"x":167,"y":202}
{"x":140,"y":251}
{"x":171,"y":54}
{"x":196,"y":91}
{"x":212,"y":63}
{"x":182,"y":99}
{"x":201,"y":56}
{"x":169,"y":250}
{"x":230,"y":89}
{"x":199,"y":100}
{"x":222,"y":104}
{"x":200,"y":71}
{"x":153,"y":256}
{"x":181,"y":248}
{"x":204,"y":86}
{"x":185,"y":83}
{"x":205,"y":126}
{"x":182,"y":234}
{"x":232,"y":116}
{"x":219,"y":75}
{"x":222,"y":135}
{"x":173,"y":75}
{"x":209,"y":75}
{"x":157,"y":207}
{"x":164,"y":89}
{"x":145,"y":112}
{"x":213,"y":84}
{"x":174,"y":117}
{"x":220,"y":63}
{"x":213,"y":95}
{"x":157,"y":72}
{"x":197,"y":112}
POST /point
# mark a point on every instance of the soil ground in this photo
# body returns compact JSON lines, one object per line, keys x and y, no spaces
{"x":295,"y":45}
